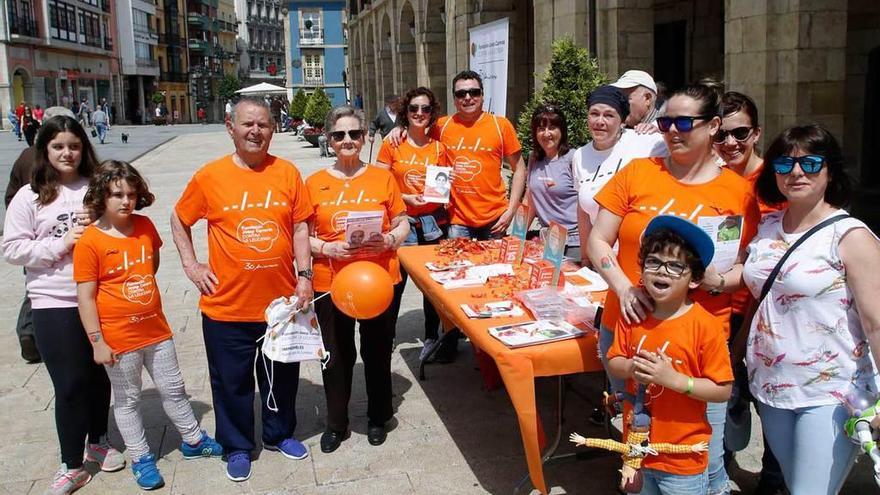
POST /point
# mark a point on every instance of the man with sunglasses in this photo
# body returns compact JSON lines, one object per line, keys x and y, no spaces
{"x":257,"y":209}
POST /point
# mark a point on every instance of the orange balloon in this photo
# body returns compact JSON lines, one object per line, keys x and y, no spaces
{"x":362,"y":290}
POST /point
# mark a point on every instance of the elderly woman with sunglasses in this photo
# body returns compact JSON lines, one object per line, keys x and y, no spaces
{"x":612,"y":147}
{"x":814,"y":334}
{"x":689,"y":184}
{"x":351,"y":186}
{"x":418,"y":111}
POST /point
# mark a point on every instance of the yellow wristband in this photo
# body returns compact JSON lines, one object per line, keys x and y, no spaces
{"x":689,"y":390}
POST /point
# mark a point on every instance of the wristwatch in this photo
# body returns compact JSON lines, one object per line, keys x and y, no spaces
{"x":719,"y":289}
{"x":306,"y":274}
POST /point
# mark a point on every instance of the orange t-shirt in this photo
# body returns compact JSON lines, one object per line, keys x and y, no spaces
{"x":250,"y":214}
{"x":644,"y":189}
{"x":128,"y":300}
{"x":742,"y":297}
{"x":408,"y":164}
{"x":476,"y":151}
{"x":698,"y":349}
{"x":333,"y":198}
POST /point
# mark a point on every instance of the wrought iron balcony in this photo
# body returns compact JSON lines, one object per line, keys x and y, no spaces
{"x":311,"y":37}
{"x":22,"y":26}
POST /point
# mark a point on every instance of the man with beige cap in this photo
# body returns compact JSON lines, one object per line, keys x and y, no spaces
{"x":641,"y":89}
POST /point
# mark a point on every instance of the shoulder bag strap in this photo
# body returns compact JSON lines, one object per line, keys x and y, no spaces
{"x":772,"y":278}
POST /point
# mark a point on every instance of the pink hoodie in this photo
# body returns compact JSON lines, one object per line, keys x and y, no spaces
{"x":34,"y":238}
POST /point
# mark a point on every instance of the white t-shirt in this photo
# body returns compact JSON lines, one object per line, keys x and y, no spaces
{"x":806,"y":346}
{"x":592,"y":168}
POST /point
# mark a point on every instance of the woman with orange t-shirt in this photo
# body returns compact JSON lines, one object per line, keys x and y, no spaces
{"x":688,"y":184}
{"x":114,"y":265}
{"x":735,"y":143}
{"x":347,"y":187}
{"x":408,"y":163}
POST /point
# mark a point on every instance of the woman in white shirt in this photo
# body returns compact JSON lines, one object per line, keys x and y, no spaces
{"x":611,"y":148}
{"x":812,"y":337}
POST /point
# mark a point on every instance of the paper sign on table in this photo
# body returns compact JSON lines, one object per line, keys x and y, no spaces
{"x":554,"y":248}
{"x":535,"y":332}
{"x":497,"y":309}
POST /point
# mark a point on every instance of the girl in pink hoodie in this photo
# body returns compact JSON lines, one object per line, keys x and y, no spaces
{"x":43,"y":223}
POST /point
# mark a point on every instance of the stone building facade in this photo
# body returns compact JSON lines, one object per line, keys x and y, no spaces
{"x":801,"y":60}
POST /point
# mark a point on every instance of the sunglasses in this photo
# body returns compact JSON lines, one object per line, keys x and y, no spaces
{"x":415,"y":109}
{"x":354,"y":134}
{"x":810,"y":164}
{"x":473,"y":92}
{"x":740,"y":134}
{"x":675,"y":268}
{"x":683,"y":124}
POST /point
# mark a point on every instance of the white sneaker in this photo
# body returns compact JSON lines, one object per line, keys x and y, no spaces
{"x":68,"y":480}
{"x":110,"y":459}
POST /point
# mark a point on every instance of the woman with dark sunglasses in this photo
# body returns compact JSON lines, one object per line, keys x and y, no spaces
{"x":735,"y":143}
{"x":819,"y":325}
{"x":417,"y":112}
{"x":688,"y":184}
{"x":350,"y":186}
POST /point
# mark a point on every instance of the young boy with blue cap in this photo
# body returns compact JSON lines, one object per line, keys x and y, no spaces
{"x":679,"y":352}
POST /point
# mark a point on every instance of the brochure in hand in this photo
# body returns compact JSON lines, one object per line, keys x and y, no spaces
{"x":361,"y":226}
{"x":437,"y":184}
{"x":535,"y":332}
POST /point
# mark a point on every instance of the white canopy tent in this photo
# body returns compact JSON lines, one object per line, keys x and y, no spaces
{"x":262,"y":89}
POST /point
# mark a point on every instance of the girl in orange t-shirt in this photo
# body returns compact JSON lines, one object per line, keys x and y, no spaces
{"x":429,"y":222}
{"x":114,"y":265}
{"x":338,"y":193}
{"x":688,"y":184}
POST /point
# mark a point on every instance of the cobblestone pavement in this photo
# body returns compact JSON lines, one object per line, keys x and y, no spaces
{"x":449,"y":435}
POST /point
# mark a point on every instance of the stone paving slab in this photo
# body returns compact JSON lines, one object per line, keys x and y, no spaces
{"x":449,"y":436}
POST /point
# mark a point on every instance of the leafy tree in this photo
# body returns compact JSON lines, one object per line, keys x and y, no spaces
{"x":568,"y":81}
{"x":227,"y":87}
{"x":298,"y":105}
{"x":317,"y":108}
{"x":158,"y":97}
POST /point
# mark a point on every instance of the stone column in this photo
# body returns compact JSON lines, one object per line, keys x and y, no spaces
{"x":141,"y":102}
{"x":554,"y":19}
{"x":625,"y":35}
{"x":790,"y":59}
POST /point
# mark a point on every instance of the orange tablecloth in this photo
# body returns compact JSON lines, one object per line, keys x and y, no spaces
{"x":518,"y":367}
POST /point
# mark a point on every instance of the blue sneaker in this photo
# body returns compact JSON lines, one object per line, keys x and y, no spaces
{"x":290,"y":448}
{"x":207,"y":447}
{"x":146,"y":473}
{"x":238,"y":465}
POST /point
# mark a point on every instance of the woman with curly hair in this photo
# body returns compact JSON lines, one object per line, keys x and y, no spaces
{"x":114,"y":265}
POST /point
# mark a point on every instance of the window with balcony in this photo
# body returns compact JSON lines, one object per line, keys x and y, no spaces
{"x":313,"y":68}
{"x":62,"y":21}
{"x":141,"y":21}
{"x":21,"y":18}
{"x":90,"y":29}
{"x":311,"y":27}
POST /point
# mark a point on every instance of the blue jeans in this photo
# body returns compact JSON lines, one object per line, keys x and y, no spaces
{"x":606,"y":338}
{"x":657,"y":482}
{"x":480,"y":233}
{"x":813,"y":450}
{"x":102,"y":131}
{"x":716,"y":414}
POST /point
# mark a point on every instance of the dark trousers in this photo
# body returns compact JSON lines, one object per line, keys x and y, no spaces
{"x":377,"y":342}
{"x":432,"y":318}
{"x":231,"y":348}
{"x":82,"y":389}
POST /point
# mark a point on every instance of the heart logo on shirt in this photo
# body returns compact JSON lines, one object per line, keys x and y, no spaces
{"x":415,"y":178}
{"x":465,"y":170}
{"x":139,"y":289}
{"x":338,"y":221}
{"x":257,"y":235}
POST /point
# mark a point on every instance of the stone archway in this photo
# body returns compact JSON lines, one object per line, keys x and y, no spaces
{"x":386,"y":67}
{"x":21,"y":87}
{"x":406,"y":49}
{"x":369,"y":72}
{"x":432,"y":70}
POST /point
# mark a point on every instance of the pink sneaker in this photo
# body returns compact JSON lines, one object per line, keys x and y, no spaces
{"x":107,"y":457}
{"x":68,"y":480}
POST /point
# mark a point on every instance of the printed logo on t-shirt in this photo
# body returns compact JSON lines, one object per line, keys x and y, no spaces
{"x":257,"y":235}
{"x":473,"y":148}
{"x":247,"y":202}
{"x":465,"y":169}
{"x":139,"y":289}
{"x":415,"y":178}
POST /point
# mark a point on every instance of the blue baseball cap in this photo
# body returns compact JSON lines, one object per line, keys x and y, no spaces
{"x":695,"y":236}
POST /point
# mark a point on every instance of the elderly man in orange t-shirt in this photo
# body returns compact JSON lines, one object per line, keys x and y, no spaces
{"x":257,"y":209}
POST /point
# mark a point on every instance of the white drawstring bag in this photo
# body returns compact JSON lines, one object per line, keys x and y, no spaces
{"x":291,"y":337}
